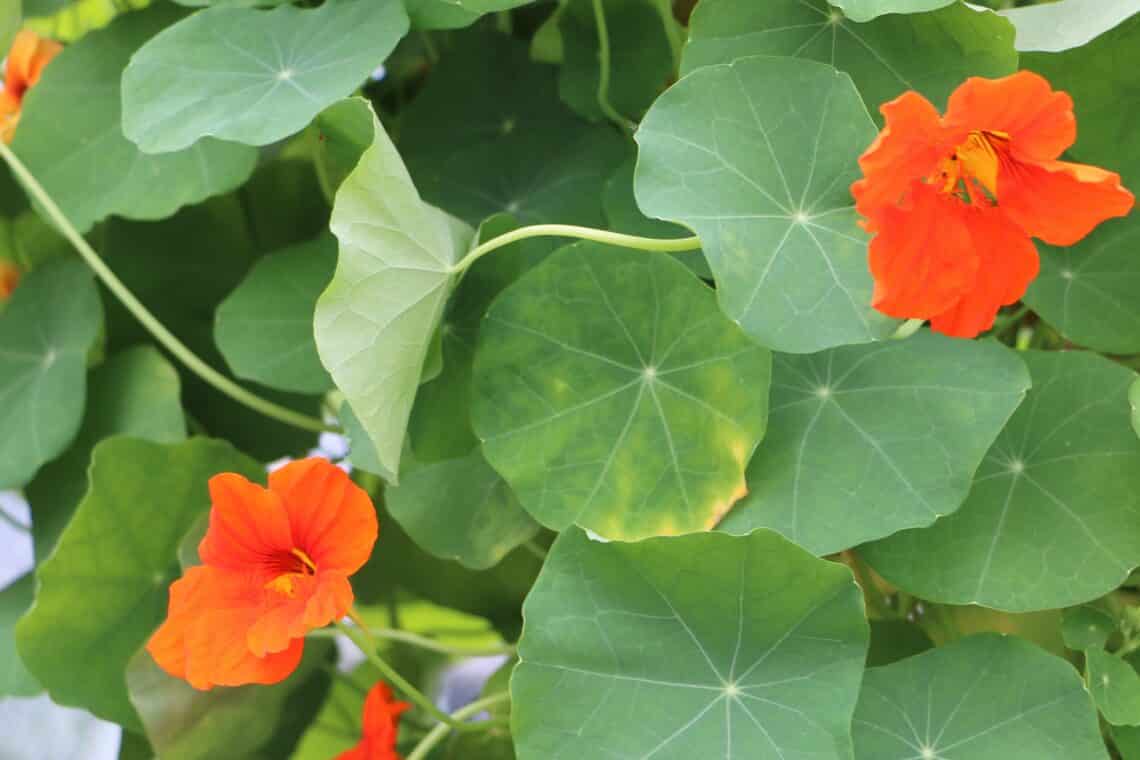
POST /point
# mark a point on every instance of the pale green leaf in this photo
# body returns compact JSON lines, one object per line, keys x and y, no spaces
{"x":376,"y":320}
{"x":1053,"y":518}
{"x":688,"y":647}
{"x":71,"y":135}
{"x":865,"y":10}
{"x":986,"y":697}
{"x":104,"y":589}
{"x":253,"y":76}
{"x":1084,"y":627}
{"x":1058,"y":26}
{"x":264,"y":328}
{"x":46,"y":330}
{"x":756,"y":157}
{"x":899,"y":428}
{"x":611,"y":393}
{"x":1115,"y":687}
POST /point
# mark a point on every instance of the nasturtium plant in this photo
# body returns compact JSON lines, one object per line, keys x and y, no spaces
{"x":527,"y":379}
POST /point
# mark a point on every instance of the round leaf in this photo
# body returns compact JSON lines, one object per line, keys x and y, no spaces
{"x":757,"y":157}
{"x":1086,"y":627}
{"x":864,"y":441}
{"x":611,"y":393}
{"x":1053,"y":518}
{"x":253,"y":76}
{"x":865,"y":10}
{"x":986,"y":697}
{"x":1115,"y":687}
{"x":46,"y":330}
{"x":688,"y":647}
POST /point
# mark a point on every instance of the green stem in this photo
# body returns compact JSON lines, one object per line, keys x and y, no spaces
{"x":674,"y":245}
{"x":148,"y":320}
{"x":437,"y":734}
{"x":360,"y":636}
{"x":604,"y":70}
{"x":423,"y":642}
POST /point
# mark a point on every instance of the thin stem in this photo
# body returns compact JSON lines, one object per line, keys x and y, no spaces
{"x":908,"y":328}
{"x":437,"y":734}
{"x":423,"y":642}
{"x":148,"y":320}
{"x":604,"y":70}
{"x":361,"y":637}
{"x":674,"y":245}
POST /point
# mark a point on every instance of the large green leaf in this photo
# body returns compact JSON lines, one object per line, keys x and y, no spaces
{"x":461,"y":509}
{"x":134,"y":393}
{"x":104,"y":589}
{"x":265,"y":327}
{"x":688,"y":647}
{"x":375,"y":321}
{"x":864,"y":441}
{"x":15,"y":680}
{"x":453,"y":14}
{"x":1058,"y":26}
{"x":928,"y":52}
{"x":183,"y":723}
{"x":71,"y":135}
{"x":756,"y":157}
{"x":1089,"y":292}
{"x":1053,"y":518}
{"x":46,"y":330}
{"x":865,"y":10}
{"x":985,"y":697}
{"x":1115,"y":687}
{"x":612,"y":394}
{"x":522,"y":151}
{"x":253,"y":76}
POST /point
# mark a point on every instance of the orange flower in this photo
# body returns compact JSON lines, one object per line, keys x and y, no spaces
{"x":379,"y":726}
{"x":9,"y":279}
{"x":29,"y":55}
{"x":276,"y":564}
{"x":953,"y":200}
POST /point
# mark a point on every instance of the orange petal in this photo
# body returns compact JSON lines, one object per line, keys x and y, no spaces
{"x":907,"y":149}
{"x":1007,"y":264}
{"x":248,"y":525}
{"x":333,"y":519}
{"x":922,"y":258}
{"x":1060,"y":202}
{"x":381,"y":713}
{"x":1038,"y":119}
{"x":203,"y":639}
{"x":315,"y":602}
{"x":27,"y":58}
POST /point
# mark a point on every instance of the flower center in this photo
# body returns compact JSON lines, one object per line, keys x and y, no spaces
{"x":293,"y":568}
{"x":973,"y":166}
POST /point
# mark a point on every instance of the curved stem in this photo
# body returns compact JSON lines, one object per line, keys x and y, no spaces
{"x":437,"y":734}
{"x":604,"y":70}
{"x":363,"y":639}
{"x":674,"y":245}
{"x":423,"y":642}
{"x":148,"y":320}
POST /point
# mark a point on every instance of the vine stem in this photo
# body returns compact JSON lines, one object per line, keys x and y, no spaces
{"x":360,"y":636}
{"x":437,"y":734}
{"x":674,"y":245}
{"x":144,"y":316}
{"x":604,"y":70}
{"x":423,"y":642}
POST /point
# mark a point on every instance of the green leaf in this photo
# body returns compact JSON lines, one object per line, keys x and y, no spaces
{"x":9,"y":23}
{"x":865,"y":10}
{"x":894,"y":640}
{"x":46,"y":330}
{"x":1127,"y":740}
{"x":1134,"y":402}
{"x":134,"y":393}
{"x":928,"y":52}
{"x":1086,"y":627}
{"x":104,"y":589}
{"x":522,"y":151}
{"x":1055,"y":27}
{"x":461,"y":509}
{"x":253,"y":76}
{"x":344,"y":132}
{"x":612,"y":394}
{"x":641,"y":59}
{"x":1115,"y":687}
{"x":1088,"y":292}
{"x":899,"y":428}
{"x":688,"y":646}
{"x":15,"y":680}
{"x":71,"y":135}
{"x":183,"y":723}
{"x":265,"y":327}
{"x":986,"y":697}
{"x":454,"y":14}
{"x":376,"y":320}
{"x":1053,"y":518}
{"x":756,"y":157}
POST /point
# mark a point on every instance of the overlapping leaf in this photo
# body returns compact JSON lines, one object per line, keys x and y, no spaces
{"x":865,"y":10}
{"x":1085,"y":627}
{"x":694,"y":646}
{"x":612,"y":394}
{"x":1115,"y":687}
{"x":864,"y":441}
{"x":1053,"y":518}
{"x":1056,"y":27}
{"x":757,"y":157}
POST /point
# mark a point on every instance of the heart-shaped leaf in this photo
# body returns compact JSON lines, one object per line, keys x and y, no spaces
{"x":688,"y":647}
